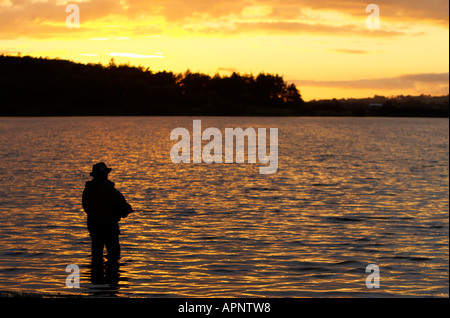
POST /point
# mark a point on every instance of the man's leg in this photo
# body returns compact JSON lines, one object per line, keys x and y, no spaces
{"x":97,"y":248}
{"x":112,"y":243}
{"x":98,"y":242}
{"x":113,"y":248}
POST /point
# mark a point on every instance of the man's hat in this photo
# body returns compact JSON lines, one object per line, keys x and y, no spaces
{"x":100,"y":169}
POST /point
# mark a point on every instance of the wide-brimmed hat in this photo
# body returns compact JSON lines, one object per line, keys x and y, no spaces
{"x":100,"y":169}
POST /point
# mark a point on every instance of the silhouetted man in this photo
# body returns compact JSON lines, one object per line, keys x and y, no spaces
{"x":104,"y":206}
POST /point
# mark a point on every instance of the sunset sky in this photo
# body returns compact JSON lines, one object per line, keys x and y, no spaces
{"x":323,"y":46}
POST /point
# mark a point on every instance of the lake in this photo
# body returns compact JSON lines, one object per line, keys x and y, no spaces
{"x":348,"y":192}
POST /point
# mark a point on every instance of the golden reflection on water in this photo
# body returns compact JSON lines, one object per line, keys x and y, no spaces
{"x":348,"y":193}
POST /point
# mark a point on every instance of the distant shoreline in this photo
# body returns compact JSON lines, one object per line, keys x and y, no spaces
{"x":212,"y":116}
{"x":222,"y":116}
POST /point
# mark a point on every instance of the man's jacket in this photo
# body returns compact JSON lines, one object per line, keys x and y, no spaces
{"x":103,"y":203}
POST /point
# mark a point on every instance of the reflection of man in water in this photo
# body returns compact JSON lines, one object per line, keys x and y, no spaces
{"x":105,"y":206}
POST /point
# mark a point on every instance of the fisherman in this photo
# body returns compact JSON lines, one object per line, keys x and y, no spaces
{"x":104,"y":206}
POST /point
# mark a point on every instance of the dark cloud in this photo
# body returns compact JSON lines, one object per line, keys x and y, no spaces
{"x":426,"y":77}
{"x":409,"y":81}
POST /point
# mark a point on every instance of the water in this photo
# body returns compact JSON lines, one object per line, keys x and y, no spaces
{"x":349,"y":192}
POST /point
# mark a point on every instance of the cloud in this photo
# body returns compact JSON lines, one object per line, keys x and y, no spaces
{"x":435,"y":11}
{"x":426,"y":77}
{"x":136,"y":56}
{"x":409,"y":81}
{"x":228,"y":69}
{"x":314,"y":28}
{"x":46,"y":18}
{"x":184,"y":10}
{"x":349,"y":51}
{"x":291,"y":27}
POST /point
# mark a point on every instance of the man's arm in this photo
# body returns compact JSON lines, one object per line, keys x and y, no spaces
{"x":85,"y":201}
{"x":123,"y":207}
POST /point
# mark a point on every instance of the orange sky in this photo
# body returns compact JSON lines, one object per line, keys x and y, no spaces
{"x":323,"y":46}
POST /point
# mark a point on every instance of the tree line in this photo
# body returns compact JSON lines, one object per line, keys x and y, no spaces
{"x":394,"y":106}
{"x":52,"y":87}
{"x":41,"y":86}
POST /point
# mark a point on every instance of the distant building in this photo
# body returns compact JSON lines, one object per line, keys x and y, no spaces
{"x":376,"y":105}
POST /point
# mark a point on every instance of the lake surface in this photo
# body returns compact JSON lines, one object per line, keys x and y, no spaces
{"x":349,"y":192}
